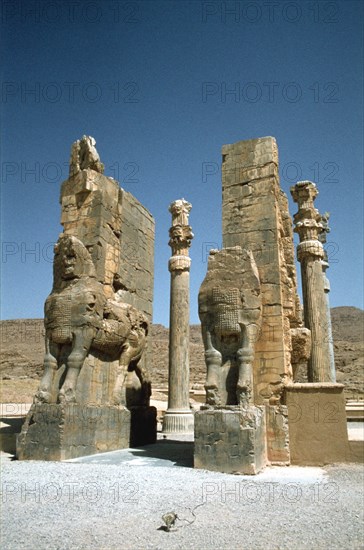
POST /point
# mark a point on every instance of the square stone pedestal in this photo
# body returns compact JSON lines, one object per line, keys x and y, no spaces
{"x":61,"y":432}
{"x":230,"y":440}
{"x":317,"y":424}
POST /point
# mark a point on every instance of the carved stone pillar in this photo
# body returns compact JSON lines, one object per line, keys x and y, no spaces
{"x":178,"y":417}
{"x":310,"y":253}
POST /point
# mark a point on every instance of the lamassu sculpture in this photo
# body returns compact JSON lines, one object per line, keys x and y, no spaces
{"x":94,"y":395}
{"x":230,"y":313}
{"x":79,"y":319}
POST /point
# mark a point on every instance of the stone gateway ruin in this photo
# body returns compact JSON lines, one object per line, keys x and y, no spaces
{"x":254,"y":331}
{"x":95,"y":390}
{"x":94,"y":395}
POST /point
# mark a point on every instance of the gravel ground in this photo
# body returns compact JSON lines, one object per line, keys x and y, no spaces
{"x":107,"y":505}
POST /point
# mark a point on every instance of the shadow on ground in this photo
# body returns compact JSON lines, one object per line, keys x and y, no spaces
{"x":10,"y":427}
{"x":179,"y":452}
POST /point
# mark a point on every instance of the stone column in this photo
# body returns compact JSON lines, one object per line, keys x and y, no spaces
{"x":310,"y":253}
{"x":178,"y":417}
{"x":325,"y":266}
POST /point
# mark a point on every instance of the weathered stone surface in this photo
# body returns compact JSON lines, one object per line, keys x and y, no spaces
{"x":230,"y":313}
{"x":61,"y":432}
{"x":80,"y":319}
{"x":84,"y":155}
{"x":277,"y":434}
{"x":231,"y":441}
{"x":301,"y":349}
{"x":118,"y":232}
{"x":317,"y":424}
{"x":178,"y":417}
{"x":97,"y":316}
{"x":256,"y":217}
{"x":134,"y":278}
{"x":230,"y":436}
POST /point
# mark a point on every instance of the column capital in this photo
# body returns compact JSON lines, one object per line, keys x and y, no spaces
{"x":179,"y":263}
{"x":180,"y":210}
{"x":311,"y":249}
{"x":308,"y":220}
{"x":180,"y":234}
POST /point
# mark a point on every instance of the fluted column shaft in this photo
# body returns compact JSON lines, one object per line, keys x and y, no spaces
{"x":179,"y":333}
{"x":315,"y":314}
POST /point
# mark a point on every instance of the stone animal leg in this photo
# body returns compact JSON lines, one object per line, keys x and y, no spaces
{"x":82,"y":340}
{"x":126,"y":356}
{"x":44,"y":393}
{"x":213,"y":361}
{"x":144,"y":382}
{"x":245,"y":356}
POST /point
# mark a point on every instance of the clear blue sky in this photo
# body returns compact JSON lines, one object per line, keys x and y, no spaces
{"x":150,"y":80}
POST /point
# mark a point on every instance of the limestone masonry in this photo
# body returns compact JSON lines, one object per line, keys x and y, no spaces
{"x":96,"y":320}
{"x":255,"y":216}
{"x":253,"y":330}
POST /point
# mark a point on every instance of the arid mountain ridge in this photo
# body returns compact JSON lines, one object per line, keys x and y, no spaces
{"x":22,"y":348}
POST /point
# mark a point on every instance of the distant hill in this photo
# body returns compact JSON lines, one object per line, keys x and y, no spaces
{"x":347,"y":324}
{"x":348,"y":335}
{"x":22,"y":348}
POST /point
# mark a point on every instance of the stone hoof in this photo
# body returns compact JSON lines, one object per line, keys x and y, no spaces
{"x":212,"y":396}
{"x":211,"y":383}
{"x":42,"y":396}
{"x":243,"y":395}
{"x":67,"y":396}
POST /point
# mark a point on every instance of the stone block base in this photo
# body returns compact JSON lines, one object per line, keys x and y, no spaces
{"x":175,"y":421}
{"x":230,"y":440}
{"x":317,"y":424}
{"x":61,"y":432}
{"x":356,"y":451}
